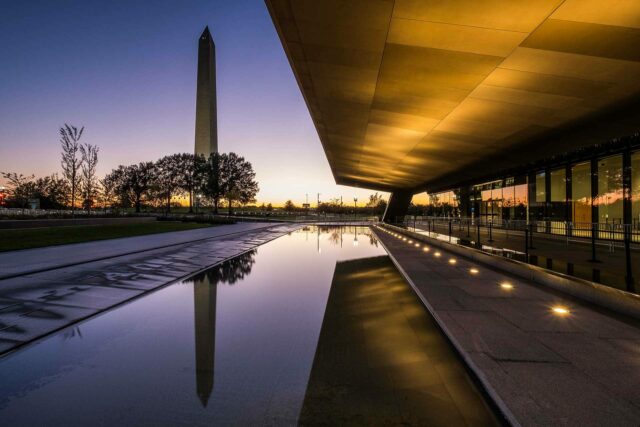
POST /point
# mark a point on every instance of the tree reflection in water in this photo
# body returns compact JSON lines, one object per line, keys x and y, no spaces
{"x":337,"y":234}
{"x":230,"y":271}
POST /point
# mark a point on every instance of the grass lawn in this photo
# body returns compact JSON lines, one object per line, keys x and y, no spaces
{"x":11,"y":240}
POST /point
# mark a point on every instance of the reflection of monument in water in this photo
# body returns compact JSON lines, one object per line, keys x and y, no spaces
{"x":204,"y":308}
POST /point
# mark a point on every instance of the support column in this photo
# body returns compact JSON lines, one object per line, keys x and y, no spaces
{"x":594,"y":190}
{"x":568,"y":216}
{"x":465,"y":202}
{"x":398,"y":206}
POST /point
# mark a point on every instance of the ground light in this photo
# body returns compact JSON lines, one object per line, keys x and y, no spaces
{"x":506,"y":286}
{"x":426,"y":249}
{"x":417,"y":245}
{"x":452,"y":261}
{"x":560,"y":310}
{"x":410,"y":241}
{"x":437,"y":254}
{"x":474,"y":271}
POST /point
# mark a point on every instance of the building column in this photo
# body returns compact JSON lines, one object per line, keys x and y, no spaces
{"x":594,"y":190}
{"x":465,"y":196}
{"x":397,"y":206}
{"x":568,"y":216}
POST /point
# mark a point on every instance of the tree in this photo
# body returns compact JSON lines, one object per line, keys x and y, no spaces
{"x":374,"y":199}
{"x":167,"y":175}
{"x":289,"y":206}
{"x":192,"y":169}
{"x":20,"y":188}
{"x":88,"y":180}
{"x":239,"y":180}
{"x":131,"y":183}
{"x":52,"y":191}
{"x":377,"y":202}
{"x":108,"y":193}
{"x":212,"y":184}
{"x":69,"y":139}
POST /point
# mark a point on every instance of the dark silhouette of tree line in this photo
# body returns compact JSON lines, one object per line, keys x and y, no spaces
{"x":222,"y":177}
{"x":375,"y":205}
{"x":79,"y":178}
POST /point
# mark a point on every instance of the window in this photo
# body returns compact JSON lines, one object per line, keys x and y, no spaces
{"x":558,"y":194}
{"x":635,"y":188}
{"x":581,"y":193}
{"x":541,"y":193}
{"x":610,"y":194}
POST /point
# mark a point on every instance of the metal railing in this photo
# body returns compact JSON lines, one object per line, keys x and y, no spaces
{"x":600,"y":230}
{"x":520,"y":235}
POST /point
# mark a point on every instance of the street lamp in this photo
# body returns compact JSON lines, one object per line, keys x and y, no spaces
{"x":355,"y":207}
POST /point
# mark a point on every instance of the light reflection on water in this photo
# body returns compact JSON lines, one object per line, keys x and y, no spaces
{"x":233,"y":345}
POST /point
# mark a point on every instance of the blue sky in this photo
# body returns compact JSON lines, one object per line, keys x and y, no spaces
{"x":126,"y":71}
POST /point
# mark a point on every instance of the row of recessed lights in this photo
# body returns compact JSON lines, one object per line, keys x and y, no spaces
{"x":507,"y":286}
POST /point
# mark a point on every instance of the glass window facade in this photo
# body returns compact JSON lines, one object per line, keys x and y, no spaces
{"x":541,"y":188}
{"x":558,"y":196}
{"x":443,"y":204}
{"x":581,"y":193}
{"x":610,"y":194}
{"x":544,"y":196}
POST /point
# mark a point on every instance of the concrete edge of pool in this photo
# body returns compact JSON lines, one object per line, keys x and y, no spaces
{"x":49,"y":266}
{"x":616,"y":300}
{"x":247,"y":233}
{"x":503,"y":413}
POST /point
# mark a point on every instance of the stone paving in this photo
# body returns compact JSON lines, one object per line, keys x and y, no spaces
{"x":33,"y":305}
{"x":27,"y":261}
{"x":541,"y":367}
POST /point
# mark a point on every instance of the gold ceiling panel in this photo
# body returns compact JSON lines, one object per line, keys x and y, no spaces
{"x":524,"y":97}
{"x":622,"y":13}
{"x":511,"y":15}
{"x":404,"y":92}
{"x":595,"y":40}
{"x":483,"y":41}
{"x":572,"y":65}
{"x":545,"y":83}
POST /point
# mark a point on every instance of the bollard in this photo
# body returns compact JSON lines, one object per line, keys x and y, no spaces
{"x":490,"y":235}
{"x":526,"y":245}
{"x":449,"y":230}
{"x":478,"y":239}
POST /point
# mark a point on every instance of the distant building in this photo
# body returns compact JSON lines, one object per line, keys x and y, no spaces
{"x":206,"y":141}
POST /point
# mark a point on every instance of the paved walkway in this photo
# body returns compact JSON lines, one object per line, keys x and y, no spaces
{"x":34,"y":305}
{"x":542,"y":368}
{"x":39,"y":259}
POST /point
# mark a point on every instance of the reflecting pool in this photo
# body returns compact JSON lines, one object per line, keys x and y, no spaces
{"x":315,"y":327}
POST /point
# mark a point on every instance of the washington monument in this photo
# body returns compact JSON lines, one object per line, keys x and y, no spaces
{"x":206,"y":108}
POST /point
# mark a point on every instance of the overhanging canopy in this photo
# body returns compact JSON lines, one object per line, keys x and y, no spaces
{"x":405,"y":92}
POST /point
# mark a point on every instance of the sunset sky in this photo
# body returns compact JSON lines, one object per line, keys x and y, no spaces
{"x":126,"y":71}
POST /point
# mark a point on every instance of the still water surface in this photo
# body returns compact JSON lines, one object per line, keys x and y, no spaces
{"x":316,"y":327}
